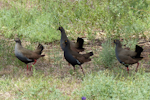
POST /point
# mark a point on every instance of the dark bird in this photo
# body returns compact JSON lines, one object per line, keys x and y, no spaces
{"x":127,"y":57}
{"x":25,"y":55}
{"x":75,"y":58}
{"x":78,"y":46}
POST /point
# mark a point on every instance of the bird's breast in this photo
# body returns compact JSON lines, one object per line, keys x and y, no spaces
{"x":117,"y":54}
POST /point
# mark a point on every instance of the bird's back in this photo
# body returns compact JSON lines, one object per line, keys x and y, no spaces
{"x":19,"y":54}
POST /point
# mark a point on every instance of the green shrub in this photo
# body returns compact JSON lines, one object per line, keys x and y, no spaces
{"x":107,"y":55}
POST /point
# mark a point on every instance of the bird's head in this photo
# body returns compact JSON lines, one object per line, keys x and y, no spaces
{"x":60,"y":28}
{"x":116,"y":41}
{"x":17,"y":40}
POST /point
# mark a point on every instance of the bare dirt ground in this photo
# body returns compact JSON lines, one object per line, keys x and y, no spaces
{"x":54,"y":63}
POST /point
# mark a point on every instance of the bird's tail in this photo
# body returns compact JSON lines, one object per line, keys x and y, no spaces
{"x":39,"y":49}
{"x":87,"y":55}
{"x":138,"y":50}
{"x":80,"y":43}
{"x":42,"y":55}
{"x":91,"y":53}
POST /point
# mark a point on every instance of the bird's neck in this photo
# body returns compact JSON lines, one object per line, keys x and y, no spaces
{"x":18,"y":45}
{"x":63,"y":34}
{"x":67,"y":48}
{"x":117,"y":50}
{"x":118,"y":46}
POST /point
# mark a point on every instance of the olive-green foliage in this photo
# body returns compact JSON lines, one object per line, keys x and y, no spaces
{"x":107,"y":55}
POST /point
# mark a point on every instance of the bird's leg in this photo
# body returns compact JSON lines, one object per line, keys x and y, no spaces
{"x":27,"y":70}
{"x":74,"y":69}
{"x":82,"y":70}
{"x":137,"y":67}
{"x":27,"y":67}
{"x":128,"y":69}
{"x":34,"y":61}
{"x":33,"y":64}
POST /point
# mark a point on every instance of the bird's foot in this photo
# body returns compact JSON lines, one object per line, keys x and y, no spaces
{"x":136,"y":70}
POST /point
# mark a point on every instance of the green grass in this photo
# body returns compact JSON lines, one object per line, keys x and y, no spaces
{"x":33,"y":87}
{"x":104,"y":86}
{"x":38,"y":20}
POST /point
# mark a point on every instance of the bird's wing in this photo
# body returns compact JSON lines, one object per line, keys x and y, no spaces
{"x":29,"y":54}
{"x":128,"y":53}
{"x":127,"y":59}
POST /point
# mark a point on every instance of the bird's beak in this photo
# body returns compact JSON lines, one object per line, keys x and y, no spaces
{"x":114,"y":41}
